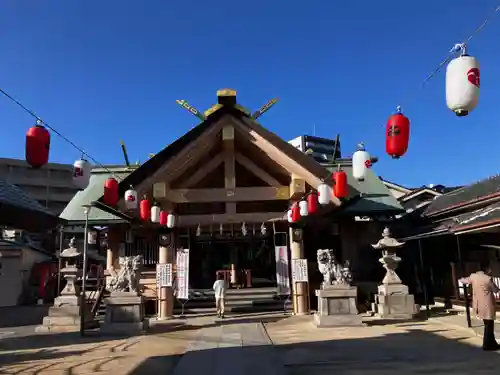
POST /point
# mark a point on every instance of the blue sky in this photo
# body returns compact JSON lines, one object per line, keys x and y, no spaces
{"x":101,"y":71}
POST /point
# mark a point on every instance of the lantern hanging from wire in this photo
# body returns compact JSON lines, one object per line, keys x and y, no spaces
{"x":111,"y":197}
{"x":361,"y":161}
{"x":397,"y":134}
{"x":171,"y":220}
{"x":303,"y":209}
{"x":155,"y":213}
{"x":340,"y":189}
{"x":37,"y":146}
{"x":163,"y":218}
{"x":81,"y":173}
{"x":295,"y":213}
{"x":463,"y":82}
{"x":324,"y":194}
{"x":312,"y":202}
{"x":130,"y":199}
{"x":145,"y":209}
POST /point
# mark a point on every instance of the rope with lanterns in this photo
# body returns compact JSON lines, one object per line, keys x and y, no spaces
{"x":462,"y":93}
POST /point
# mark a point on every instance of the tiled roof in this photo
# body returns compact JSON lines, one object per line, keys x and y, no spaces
{"x":18,"y":210}
{"x":74,"y":213}
{"x":376,"y":197}
{"x":478,"y":191}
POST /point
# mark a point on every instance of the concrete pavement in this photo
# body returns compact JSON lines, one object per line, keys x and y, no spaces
{"x":244,"y":345}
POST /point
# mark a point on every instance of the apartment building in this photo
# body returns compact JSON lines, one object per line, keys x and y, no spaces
{"x":50,"y":185}
{"x":320,"y":149}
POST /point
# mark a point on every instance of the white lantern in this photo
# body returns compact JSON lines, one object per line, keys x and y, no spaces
{"x":289,"y":215}
{"x":324,"y":194}
{"x":361,"y":161}
{"x":130,"y":199}
{"x":81,"y":173}
{"x":303,"y":208}
{"x":171,"y":221}
{"x":155,"y":214}
{"x":462,"y":83}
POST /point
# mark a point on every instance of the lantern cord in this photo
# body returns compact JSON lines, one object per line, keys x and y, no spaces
{"x":40,"y":121}
{"x":460,"y":46}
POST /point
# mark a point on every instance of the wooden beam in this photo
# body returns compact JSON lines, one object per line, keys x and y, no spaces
{"x":229,"y":164}
{"x":259,"y":217}
{"x":281,"y":158}
{"x":204,"y":171}
{"x":187,"y":156}
{"x":297,"y":188}
{"x":239,"y":194}
{"x":256,"y":170}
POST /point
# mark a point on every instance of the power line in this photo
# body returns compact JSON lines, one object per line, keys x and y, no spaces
{"x":42,"y":122}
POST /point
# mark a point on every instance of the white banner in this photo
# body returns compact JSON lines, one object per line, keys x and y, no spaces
{"x":299,"y":271}
{"x":163,"y":275}
{"x":282,"y":273}
{"x":182,"y":279}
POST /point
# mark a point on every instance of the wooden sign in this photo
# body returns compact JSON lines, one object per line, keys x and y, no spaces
{"x":299,"y":271}
{"x":164,"y":275}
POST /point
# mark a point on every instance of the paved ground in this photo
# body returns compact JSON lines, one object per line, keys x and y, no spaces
{"x":243,"y":345}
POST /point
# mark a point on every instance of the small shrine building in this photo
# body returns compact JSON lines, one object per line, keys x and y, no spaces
{"x":230,"y":182}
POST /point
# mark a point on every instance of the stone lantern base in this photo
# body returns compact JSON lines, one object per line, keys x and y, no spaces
{"x":393,"y":301}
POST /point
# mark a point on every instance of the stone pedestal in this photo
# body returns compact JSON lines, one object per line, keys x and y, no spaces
{"x":394,"y":302}
{"x":124,"y":313}
{"x":64,"y":316}
{"x":337,"y":307}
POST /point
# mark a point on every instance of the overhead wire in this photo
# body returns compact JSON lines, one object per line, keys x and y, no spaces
{"x":40,"y":121}
{"x":454,"y":50}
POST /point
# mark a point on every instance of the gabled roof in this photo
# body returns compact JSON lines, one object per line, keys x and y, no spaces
{"x":459,"y":198}
{"x":18,"y":210}
{"x":151,"y":166}
{"x":417,"y":192}
{"x":395,"y":186}
{"x":376,"y":199}
{"x":74,"y":213}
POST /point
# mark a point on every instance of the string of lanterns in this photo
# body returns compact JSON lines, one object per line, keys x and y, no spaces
{"x":462,"y":93}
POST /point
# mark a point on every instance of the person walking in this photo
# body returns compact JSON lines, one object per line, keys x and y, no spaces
{"x":483,"y":302}
{"x":220,"y":294}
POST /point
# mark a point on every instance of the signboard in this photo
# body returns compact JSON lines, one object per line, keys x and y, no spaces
{"x":299,"y":271}
{"x":282,"y":272}
{"x":163,"y":275}
{"x":182,"y":280}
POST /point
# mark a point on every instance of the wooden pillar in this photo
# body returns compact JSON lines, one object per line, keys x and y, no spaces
{"x":299,"y":290}
{"x":165,"y":294}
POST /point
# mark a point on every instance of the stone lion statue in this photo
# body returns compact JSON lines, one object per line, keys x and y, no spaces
{"x":333,"y":272}
{"x":126,"y":279}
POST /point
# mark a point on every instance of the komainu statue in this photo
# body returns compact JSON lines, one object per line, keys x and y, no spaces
{"x":333,"y":272}
{"x":126,"y":279}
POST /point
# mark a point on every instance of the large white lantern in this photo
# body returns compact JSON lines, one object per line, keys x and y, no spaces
{"x":462,"y":82}
{"x":303,"y":209}
{"x":130,"y":199}
{"x":171,"y":219}
{"x":361,"y":161}
{"x":155,"y":214}
{"x":81,"y":173}
{"x":324,"y":194}
{"x":289,"y":215}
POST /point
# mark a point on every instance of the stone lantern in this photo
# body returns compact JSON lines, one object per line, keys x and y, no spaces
{"x":393,"y":300}
{"x":70,"y":273}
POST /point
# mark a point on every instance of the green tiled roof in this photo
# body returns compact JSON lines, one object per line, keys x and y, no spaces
{"x":74,"y":213}
{"x":376,"y":197}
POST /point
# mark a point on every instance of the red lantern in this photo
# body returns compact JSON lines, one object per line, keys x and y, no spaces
{"x":111,"y":197}
{"x":37,"y":146}
{"x":145,"y":209}
{"x":340,"y":187}
{"x":312,"y":203}
{"x":397,"y":134}
{"x":295,"y":213}
{"x":163,"y":217}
